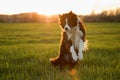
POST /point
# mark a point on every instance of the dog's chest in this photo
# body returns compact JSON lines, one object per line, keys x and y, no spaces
{"x":75,"y":38}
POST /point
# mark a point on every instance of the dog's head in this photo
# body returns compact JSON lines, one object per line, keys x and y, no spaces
{"x":69,"y":21}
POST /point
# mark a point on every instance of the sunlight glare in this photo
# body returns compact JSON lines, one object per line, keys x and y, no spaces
{"x":57,"y":6}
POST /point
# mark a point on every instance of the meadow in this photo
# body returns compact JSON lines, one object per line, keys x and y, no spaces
{"x":25,"y":49}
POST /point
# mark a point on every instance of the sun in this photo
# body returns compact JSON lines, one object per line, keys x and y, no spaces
{"x":48,"y":14}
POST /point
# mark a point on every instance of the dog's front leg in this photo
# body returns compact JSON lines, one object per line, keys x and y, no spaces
{"x":74,"y":55}
{"x":81,"y":45}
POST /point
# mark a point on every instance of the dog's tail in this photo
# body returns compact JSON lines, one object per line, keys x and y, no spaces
{"x":85,"y":45}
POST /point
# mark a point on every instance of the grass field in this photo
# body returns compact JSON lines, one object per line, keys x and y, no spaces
{"x":25,"y":49}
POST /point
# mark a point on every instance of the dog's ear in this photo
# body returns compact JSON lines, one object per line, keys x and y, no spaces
{"x":60,"y":15}
{"x":70,"y":12}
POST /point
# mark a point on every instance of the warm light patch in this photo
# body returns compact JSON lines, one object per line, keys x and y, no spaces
{"x":73,"y":72}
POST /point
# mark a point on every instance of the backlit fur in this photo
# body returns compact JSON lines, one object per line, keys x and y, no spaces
{"x":73,"y":40}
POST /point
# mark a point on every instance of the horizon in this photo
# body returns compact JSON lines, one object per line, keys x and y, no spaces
{"x":49,"y":8}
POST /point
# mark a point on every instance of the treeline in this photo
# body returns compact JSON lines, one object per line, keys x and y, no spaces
{"x":27,"y":17}
{"x":104,"y":16}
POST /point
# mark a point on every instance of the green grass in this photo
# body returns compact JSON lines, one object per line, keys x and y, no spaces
{"x":25,"y":49}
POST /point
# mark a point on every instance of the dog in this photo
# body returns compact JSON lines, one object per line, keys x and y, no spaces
{"x":73,"y":40}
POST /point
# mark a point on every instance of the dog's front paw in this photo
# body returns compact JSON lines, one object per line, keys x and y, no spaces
{"x":80,"y":56}
{"x":74,"y":55}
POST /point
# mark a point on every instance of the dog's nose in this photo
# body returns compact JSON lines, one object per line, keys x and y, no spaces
{"x":66,"y":29}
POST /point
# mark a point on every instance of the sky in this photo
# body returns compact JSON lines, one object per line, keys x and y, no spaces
{"x":49,"y":7}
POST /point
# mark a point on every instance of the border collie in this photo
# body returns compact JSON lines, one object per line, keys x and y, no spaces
{"x":73,"y":40}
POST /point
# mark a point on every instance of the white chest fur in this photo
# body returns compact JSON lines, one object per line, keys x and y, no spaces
{"x":75,"y":36}
{"x":77,"y":43}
